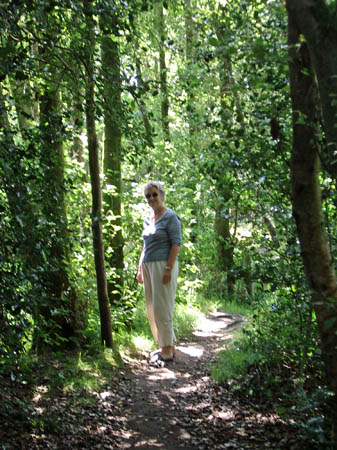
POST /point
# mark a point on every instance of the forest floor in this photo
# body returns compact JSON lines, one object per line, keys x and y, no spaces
{"x":143,"y":407}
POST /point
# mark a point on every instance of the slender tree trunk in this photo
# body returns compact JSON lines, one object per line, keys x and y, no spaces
{"x":102,"y":289}
{"x":247,"y":272}
{"x":58,"y":313}
{"x":307,"y":205}
{"x":24,"y":106}
{"x":225,"y":245}
{"x":141,"y":103}
{"x":226,"y":240}
{"x":189,"y":57}
{"x":112,"y":161}
{"x":77,"y":149}
{"x":272,"y":231}
{"x":163,"y":72}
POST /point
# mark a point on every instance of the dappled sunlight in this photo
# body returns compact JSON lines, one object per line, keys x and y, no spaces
{"x":193,"y":351}
{"x":179,"y":402}
{"x":206,"y":334}
{"x":142,"y":342}
{"x":176,"y":406}
{"x":184,"y":435}
{"x":147,"y":443}
{"x":187,"y":389}
{"x":227,"y":414}
{"x":165,"y":374}
{"x":213,"y":325}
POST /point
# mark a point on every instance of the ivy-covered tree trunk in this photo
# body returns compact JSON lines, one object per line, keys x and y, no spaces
{"x":112,"y":159}
{"x":102,"y":288}
{"x":35,"y":237}
{"x":307,"y":204}
{"x":58,"y":311}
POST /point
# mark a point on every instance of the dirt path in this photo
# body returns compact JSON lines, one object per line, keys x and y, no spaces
{"x":179,"y":406}
{"x":142,"y":407}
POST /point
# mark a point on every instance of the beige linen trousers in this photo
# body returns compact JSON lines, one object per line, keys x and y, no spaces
{"x":159,"y":299}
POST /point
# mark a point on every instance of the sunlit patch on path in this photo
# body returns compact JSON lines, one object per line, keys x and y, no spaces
{"x":180,"y":406}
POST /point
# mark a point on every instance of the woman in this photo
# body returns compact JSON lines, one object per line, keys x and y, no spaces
{"x":158,"y":269}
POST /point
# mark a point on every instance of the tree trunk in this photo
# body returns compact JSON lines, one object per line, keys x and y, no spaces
{"x":77,"y":149}
{"x":317,"y":24}
{"x":189,"y":57}
{"x":61,"y":297}
{"x":247,"y":272}
{"x":24,"y":105}
{"x":225,"y":245}
{"x":163,"y":72}
{"x":102,"y":289}
{"x":112,"y":161}
{"x":224,"y":185}
{"x":307,"y":206}
{"x":16,"y":191}
{"x":272,"y":231}
{"x":141,"y":103}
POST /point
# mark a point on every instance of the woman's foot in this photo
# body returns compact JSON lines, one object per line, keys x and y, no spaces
{"x":167,"y":353}
{"x":158,"y":361}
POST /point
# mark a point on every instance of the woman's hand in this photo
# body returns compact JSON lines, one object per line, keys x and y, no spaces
{"x":140,"y":274}
{"x":167,"y":275}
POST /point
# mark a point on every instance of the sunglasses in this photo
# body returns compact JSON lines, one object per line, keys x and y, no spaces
{"x":154,"y":195}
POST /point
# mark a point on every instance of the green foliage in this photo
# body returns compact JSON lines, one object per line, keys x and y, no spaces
{"x":281,"y":335}
{"x":314,"y":406}
{"x":233,"y":363}
{"x":227,"y":160}
{"x":276,"y":359}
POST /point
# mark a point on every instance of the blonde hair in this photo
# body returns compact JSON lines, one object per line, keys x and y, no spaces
{"x":154,"y":184}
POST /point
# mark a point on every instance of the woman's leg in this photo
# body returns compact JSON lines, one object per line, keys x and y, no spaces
{"x":148,"y":301}
{"x":163,"y":296}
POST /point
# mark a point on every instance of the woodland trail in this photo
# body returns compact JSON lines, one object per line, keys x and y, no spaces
{"x":179,"y":406}
{"x":141,"y":407}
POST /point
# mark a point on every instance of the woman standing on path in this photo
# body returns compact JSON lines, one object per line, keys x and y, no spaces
{"x":158,"y":269}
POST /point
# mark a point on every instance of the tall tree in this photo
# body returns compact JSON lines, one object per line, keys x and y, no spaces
{"x":56,"y":278}
{"x":112,"y":153}
{"x":102,"y":288}
{"x":45,"y":246}
{"x":78,"y":123}
{"x":161,"y":27}
{"x":224,"y":179}
{"x":143,"y":89}
{"x":189,"y":66}
{"x":318,"y":27}
{"x":61,"y":306}
{"x":316,"y":24}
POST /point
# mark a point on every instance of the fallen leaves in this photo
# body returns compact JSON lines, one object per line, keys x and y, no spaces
{"x":141,"y":407}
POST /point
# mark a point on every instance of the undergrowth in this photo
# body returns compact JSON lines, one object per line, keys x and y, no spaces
{"x":275,"y":360}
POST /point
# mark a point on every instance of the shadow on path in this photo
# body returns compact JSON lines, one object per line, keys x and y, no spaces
{"x":180,"y":406}
{"x":141,"y":407}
